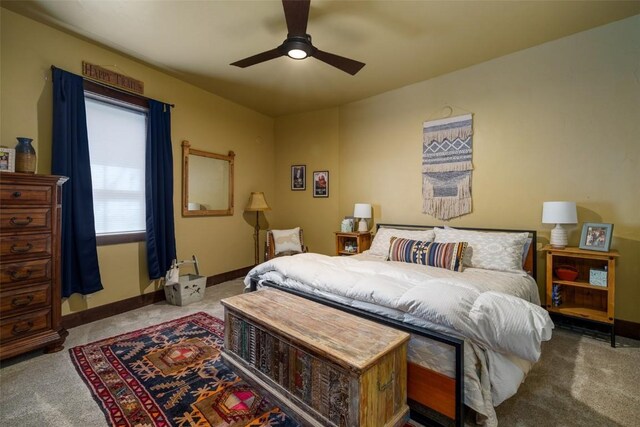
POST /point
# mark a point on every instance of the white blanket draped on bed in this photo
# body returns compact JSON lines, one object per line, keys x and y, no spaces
{"x":498,"y":312}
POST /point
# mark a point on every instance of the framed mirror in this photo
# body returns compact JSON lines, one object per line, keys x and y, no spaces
{"x":207,"y":182}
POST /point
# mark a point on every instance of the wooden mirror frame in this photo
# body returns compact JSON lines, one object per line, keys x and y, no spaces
{"x":186,"y":151}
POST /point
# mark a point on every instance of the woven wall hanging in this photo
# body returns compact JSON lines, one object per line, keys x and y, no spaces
{"x":446,"y":166}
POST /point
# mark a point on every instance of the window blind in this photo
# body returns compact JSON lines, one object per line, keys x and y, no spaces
{"x":117,"y":134}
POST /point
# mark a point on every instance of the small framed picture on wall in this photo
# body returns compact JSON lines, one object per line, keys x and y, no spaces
{"x":320,"y":183}
{"x":298,"y":177}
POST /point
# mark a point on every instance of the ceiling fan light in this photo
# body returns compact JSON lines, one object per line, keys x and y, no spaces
{"x":297,"y":54}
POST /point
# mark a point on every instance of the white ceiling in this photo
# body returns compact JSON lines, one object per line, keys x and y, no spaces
{"x":402,"y":42}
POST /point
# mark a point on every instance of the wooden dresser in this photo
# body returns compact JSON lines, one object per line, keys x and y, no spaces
{"x":30,"y":297}
{"x":327,"y":367}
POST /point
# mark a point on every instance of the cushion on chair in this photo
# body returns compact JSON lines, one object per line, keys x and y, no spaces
{"x":287,"y":241}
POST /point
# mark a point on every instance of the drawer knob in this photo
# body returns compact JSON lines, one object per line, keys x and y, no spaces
{"x":17,"y":275}
{"x":21,"y":249}
{"x":22,"y":328}
{"x":21,"y":222}
{"x":22,"y":301}
{"x":17,"y":194}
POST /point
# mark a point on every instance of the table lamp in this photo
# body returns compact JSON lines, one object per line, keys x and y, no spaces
{"x":257,"y":203}
{"x":559,"y":213}
{"x":362,"y":211}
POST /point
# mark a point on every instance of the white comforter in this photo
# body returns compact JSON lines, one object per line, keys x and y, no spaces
{"x":498,"y":313}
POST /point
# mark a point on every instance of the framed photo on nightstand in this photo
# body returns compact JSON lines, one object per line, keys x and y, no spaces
{"x":596,"y":237}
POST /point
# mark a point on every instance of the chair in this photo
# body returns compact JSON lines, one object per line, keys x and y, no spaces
{"x":285,"y":242}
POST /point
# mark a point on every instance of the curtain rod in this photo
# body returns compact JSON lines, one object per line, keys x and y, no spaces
{"x":53,"y":67}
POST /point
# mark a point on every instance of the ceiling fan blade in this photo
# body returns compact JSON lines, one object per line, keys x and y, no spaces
{"x":345,"y":64}
{"x":256,"y":59}
{"x":296,"y":12}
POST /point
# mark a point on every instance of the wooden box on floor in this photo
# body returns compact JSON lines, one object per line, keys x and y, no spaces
{"x":328,"y":368}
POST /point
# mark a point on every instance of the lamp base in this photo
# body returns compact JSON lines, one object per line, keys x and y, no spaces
{"x":363,"y":227}
{"x":559,"y":237}
{"x":256,"y":238}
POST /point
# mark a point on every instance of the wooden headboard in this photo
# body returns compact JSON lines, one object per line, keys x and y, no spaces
{"x":530,"y":263}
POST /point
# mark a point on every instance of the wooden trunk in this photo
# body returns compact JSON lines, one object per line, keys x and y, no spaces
{"x":327,"y":367}
{"x":30,"y":301}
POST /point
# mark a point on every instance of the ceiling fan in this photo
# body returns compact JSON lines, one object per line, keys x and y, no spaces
{"x":298,"y":43}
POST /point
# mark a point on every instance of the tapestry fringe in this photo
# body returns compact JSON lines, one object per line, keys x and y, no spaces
{"x":448,"y":167}
{"x":445,"y":208}
{"x":452,"y":134}
{"x":464,"y":187}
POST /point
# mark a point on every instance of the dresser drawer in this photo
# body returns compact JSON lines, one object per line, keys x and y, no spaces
{"x":16,"y":301}
{"x":15,"y":273}
{"x":25,"y":325}
{"x":15,"y":194}
{"x":25,"y":245}
{"x":25,"y":219}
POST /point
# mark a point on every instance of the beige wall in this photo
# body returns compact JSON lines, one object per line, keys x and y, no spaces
{"x":309,"y":139}
{"x":556,"y":122}
{"x":209,"y":122}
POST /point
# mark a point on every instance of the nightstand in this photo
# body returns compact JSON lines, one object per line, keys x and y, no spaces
{"x":352,"y":243}
{"x":581,"y":298}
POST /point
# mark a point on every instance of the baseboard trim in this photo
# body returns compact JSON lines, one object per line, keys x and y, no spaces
{"x":102,"y":312}
{"x":229,"y":275}
{"x":627,"y":329}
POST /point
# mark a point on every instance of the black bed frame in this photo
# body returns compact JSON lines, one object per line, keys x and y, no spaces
{"x":419,"y":413}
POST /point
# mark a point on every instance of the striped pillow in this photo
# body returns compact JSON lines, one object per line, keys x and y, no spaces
{"x":442,"y":255}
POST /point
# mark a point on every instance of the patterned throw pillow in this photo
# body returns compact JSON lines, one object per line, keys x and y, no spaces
{"x":287,"y":240}
{"x":382,"y":239}
{"x":441,"y":255}
{"x":489,"y":250}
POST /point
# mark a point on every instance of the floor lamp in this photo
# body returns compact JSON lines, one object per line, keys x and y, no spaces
{"x":257,"y":203}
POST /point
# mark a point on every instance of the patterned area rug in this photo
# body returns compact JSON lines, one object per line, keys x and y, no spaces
{"x":172,"y":375}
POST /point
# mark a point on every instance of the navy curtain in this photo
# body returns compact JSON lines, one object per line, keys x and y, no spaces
{"x":70,"y":157}
{"x":161,"y":240}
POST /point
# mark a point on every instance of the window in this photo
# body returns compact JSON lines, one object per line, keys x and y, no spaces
{"x":117,"y":137}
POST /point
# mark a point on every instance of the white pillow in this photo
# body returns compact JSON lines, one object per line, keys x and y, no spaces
{"x":382,"y":239}
{"x":525,"y":247}
{"x":487,"y":249}
{"x":287,"y":240}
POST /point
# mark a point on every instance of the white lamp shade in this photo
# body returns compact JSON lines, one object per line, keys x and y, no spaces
{"x":559,"y":213}
{"x":362,"y":210}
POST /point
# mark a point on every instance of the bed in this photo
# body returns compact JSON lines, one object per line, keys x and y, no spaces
{"x":475,"y":333}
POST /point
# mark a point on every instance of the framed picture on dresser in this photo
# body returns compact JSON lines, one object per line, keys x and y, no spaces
{"x":7,"y":159}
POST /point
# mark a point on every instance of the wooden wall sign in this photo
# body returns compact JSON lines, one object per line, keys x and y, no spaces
{"x":112,"y":78}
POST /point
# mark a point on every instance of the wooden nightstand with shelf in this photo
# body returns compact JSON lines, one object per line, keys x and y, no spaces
{"x":360,"y":242}
{"x":578,"y":298}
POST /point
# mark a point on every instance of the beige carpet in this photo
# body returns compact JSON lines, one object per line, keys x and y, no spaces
{"x":580,"y":381}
